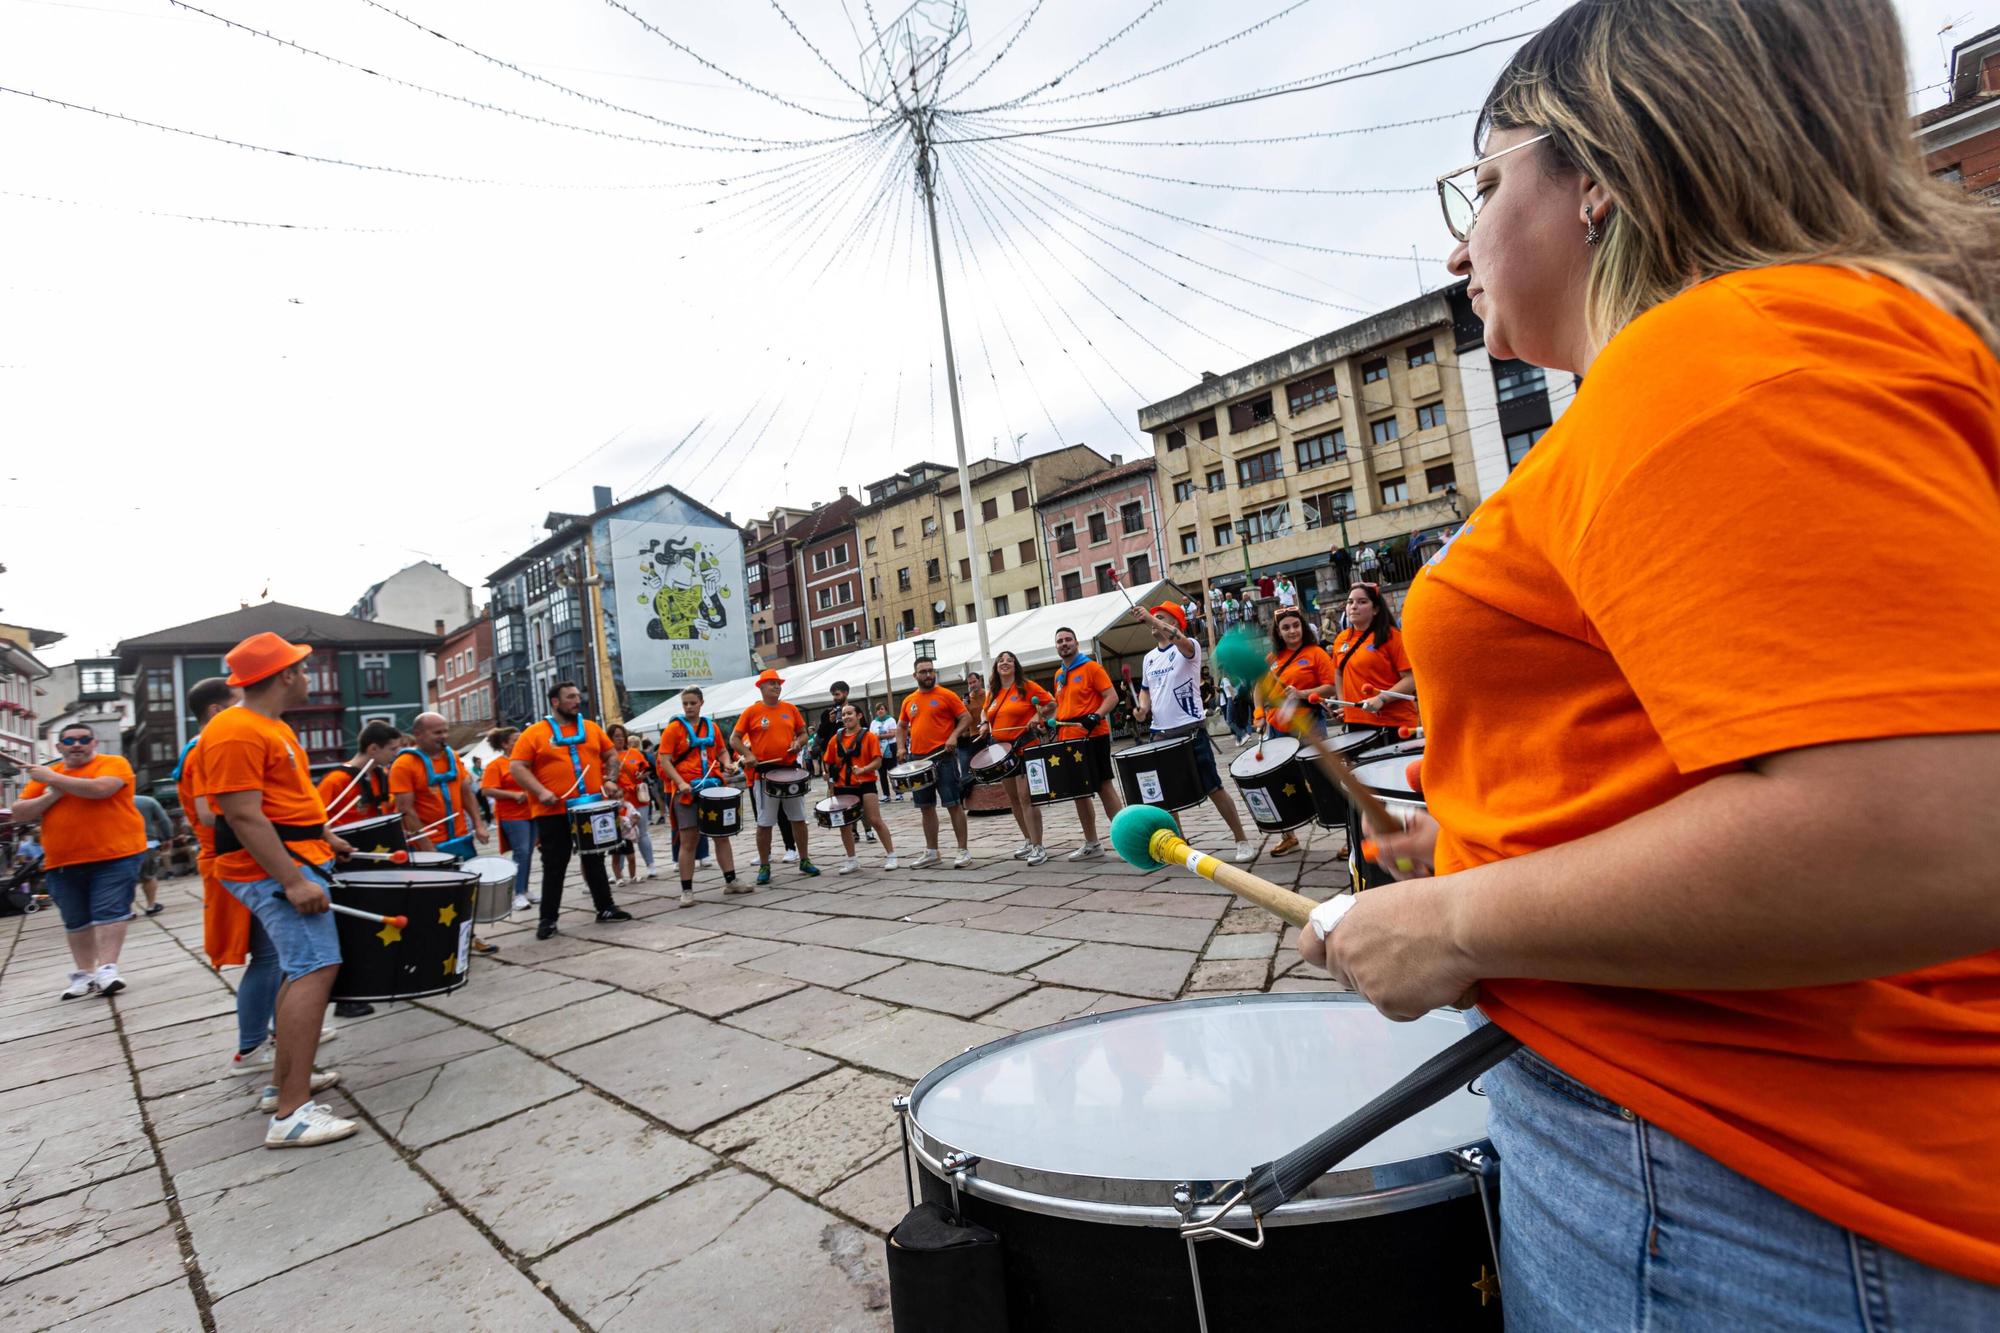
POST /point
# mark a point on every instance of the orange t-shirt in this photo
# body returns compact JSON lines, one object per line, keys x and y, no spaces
{"x":841,"y":768}
{"x":1084,"y":689}
{"x":552,"y":766}
{"x":1312,"y":669}
{"x":1368,"y":670}
{"x":632,"y":774}
{"x":773,"y":731}
{"x":242,"y":750}
{"x":930,"y":715}
{"x":77,"y":829}
{"x":333,"y":789}
{"x":1672,"y":584}
{"x":1010,"y":712}
{"x":499,"y":777}
{"x":225,"y":922}
{"x":679,"y":753}
{"x":187,"y":784}
{"x":409,"y":776}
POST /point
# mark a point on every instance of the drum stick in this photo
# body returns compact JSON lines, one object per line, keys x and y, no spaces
{"x":1410,"y":733}
{"x":1147,"y":837}
{"x":1395,"y":694}
{"x":397,"y":921}
{"x":396,"y":858}
{"x":352,"y":795}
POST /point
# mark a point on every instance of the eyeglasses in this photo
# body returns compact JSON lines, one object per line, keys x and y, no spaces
{"x":1461,"y":205}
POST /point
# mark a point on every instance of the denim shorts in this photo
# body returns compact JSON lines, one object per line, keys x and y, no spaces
{"x":949,"y":779}
{"x":305,"y":943}
{"x":95,"y":893}
{"x":1608,"y":1222}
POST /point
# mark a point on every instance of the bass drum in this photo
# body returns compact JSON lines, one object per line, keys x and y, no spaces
{"x":428,"y":956}
{"x":382,"y":833}
{"x":1057,"y":771}
{"x":1161,"y":773}
{"x":1078,"y":1136}
{"x":1389,"y":779}
{"x":1272,"y":782}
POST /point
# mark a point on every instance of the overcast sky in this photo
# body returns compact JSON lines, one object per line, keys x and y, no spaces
{"x":196,"y":414}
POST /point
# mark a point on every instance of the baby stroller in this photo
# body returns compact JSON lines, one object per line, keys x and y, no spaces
{"x":20,"y":888}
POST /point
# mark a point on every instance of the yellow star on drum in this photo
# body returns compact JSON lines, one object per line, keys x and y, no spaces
{"x":447,"y":914}
{"x":451,"y":968}
{"x":391,"y":933}
{"x":1290,"y":790}
{"x":1488,"y":1286}
{"x":1054,"y":760}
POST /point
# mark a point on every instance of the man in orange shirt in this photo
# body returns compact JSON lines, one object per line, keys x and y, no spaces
{"x":93,"y":844}
{"x":274,"y":854}
{"x":561,"y":759}
{"x":928,"y":727}
{"x":1084,"y":700}
{"x":374,"y":751}
{"x":772,"y":733}
{"x":434,"y":793}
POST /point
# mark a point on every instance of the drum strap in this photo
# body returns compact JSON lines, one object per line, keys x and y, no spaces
{"x":444,"y":779}
{"x":703,"y":744}
{"x":1340,"y":668}
{"x":574,"y":742}
{"x":226,"y":840}
{"x":847,"y":756}
{"x":374,"y":785}
{"x":181,"y":762}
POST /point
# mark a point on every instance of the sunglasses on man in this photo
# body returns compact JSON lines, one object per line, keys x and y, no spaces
{"x":76,"y":742}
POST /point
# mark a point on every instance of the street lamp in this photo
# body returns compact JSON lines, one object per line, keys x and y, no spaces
{"x":926,"y":648}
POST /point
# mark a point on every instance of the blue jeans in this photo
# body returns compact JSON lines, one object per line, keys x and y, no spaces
{"x":1608,"y":1222}
{"x":521,"y":844}
{"x":257,"y":990}
{"x":95,"y":893}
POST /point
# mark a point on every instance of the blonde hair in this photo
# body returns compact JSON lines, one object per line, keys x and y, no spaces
{"x":1739,"y":134}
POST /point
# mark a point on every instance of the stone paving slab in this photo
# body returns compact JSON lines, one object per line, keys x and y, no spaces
{"x":1151,"y":932}
{"x":59,"y":1158}
{"x":808,"y":1016}
{"x":72,"y":1225}
{"x":716,"y":989}
{"x":877,"y":1196}
{"x":433,"y":1273}
{"x":1207,"y":906}
{"x":1040,"y":896}
{"x":843,"y":903}
{"x":1155,"y":973}
{"x":580,"y":1024}
{"x":843,"y":932}
{"x":959,"y":946}
{"x":690,"y":1072}
{"x":1244,"y":945}
{"x":435,"y":1104}
{"x":909,"y":1043}
{"x":543,"y":1176}
{"x":734,"y":948}
{"x":169,"y":1308}
{"x":504,"y":995}
{"x":762,"y":922}
{"x":91,"y":1283}
{"x":822,"y":965}
{"x":1042,"y":1006}
{"x":1248,"y":974}
{"x":815,"y":1135}
{"x":57,"y":1055}
{"x":1025,"y":920}
{"x":947,"y":990}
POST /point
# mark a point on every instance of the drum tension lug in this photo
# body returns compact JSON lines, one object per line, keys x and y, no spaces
{"x":1211,"y":1227}
{"x":901,"y":1104}
{"x":960,"y":1165}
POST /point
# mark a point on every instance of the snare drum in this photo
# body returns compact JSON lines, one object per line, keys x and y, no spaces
{"x":496,"y":886}
{"x":593,"y":827}
{"x":1071,"y":1142}
{"x":993,"y":763}
{"x":785,"y":783}
{"x":718,"y":811}
{"x":383,"y":833}
{"x":1161,"y":773}
{"x":429,"y":956}
{"x":1057,"y":771}
{"x":435,"y":861}
{"x":1330,"y":807}
{"x":838,"y":811}
{"x":1388,"y":779}
{"x":915,"y":776}
{"x":1272,"y":781}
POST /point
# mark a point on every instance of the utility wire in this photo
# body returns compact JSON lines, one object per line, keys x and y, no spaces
{"x":1276,"y":138}
{"x":710,"y":65}
{"x":198,"y":217}
{"x":819,"y":56}
{"x":967,"y":86}
{"x":1089,"y":56}
{"x":1225,"y":185}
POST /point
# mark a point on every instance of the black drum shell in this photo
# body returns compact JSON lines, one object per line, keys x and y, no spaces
{"x":1061,"y":769}
{"x":1279,"y":798}
{"x":718,"y":817}
{"x":837,"y":812}
{"x":1367,"y":874}
{"x":1330,"y":805}
{"x":998,"y":768}
{"x":432,"y":955}
{"x":1171,"y":763}
{"x":785,"y":783}
{"x":588,"y":826}
{"x":379,"y":833}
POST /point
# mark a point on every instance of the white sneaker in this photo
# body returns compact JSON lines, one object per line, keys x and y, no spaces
{"x":1245,"y":852}
{"x":963,"y":859}
{"x":267,"y":1101}
{"x":259,"y":1061}
{"x":328,"y":1033}
{"x":791,"y":854}
{"x":1022,"y":852}
{"x":534,"y":899}
{"x":929,"y":858}
{"x":703,"y":864}
{"x":109,"y":983}
{"x":1090,"y":851}
{"x":889,"y":863}
{"x":80,"y":985}
{"x":848,"y":865}
{"x":647,"y":873}
{"x":1037,"y":856}
{"x":309,"y":1126}
{"x":687,"y":897}
{"x":521,"y":903}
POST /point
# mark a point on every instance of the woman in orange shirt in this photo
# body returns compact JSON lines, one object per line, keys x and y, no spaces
{"x":1307,"y":674}
{"x":1015,"y":707}
{"x":510,"y":807}
{"x":1739,"y":903}
{"x":853,"y":757}
{"x":1369,"y":659}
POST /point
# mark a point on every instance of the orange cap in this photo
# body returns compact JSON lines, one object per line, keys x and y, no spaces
{"x":1173,"y":611}
{"x":770,"y":677}
{"x":262,"y":656}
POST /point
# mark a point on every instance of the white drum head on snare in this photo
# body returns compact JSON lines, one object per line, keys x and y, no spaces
{"x":1276,"y":751}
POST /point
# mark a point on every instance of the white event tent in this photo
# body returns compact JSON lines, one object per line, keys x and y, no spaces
{"x":1104,"y":624}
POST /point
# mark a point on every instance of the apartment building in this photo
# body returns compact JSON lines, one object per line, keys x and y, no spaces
{"x":1014,"y":562}
{"x":1107,"y":524}
{"x":900,"y":529}
{"x":1960,"y":138}
{"x":770,"y":577}
{"x":836,"y":604}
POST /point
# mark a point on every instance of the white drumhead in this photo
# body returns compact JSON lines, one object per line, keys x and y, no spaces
{"x":1196,"y":1091}
{"x":490,"y":869}
{"x":718,"y":795}
{"x":838,"y":803}
{"x":988,"y":755}
{"x":1387,"y":777}
{"x":787,"y":775}
{"x":913,"y":768}
{"x":1274,"y":753}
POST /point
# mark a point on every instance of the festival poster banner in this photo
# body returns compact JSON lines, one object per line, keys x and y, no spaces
{"x":678,"y":600}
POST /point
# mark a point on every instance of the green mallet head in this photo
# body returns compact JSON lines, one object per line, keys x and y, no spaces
{"x":1132,"y":831}
{"x":1240,"y":656}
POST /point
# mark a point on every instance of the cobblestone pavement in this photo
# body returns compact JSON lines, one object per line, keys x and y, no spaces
{"x":679,"y":1121}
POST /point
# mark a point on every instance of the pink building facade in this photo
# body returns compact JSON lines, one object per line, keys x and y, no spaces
{"x":1106,"y":523}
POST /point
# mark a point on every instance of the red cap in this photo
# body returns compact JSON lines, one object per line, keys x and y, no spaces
{"x":1172,"y":610}
{"x":262,"y":656}
{"x":770,"y":677}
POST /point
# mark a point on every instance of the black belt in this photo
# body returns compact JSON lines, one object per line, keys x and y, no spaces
{"x":1185,"y":729}
{"x":226,"y":840}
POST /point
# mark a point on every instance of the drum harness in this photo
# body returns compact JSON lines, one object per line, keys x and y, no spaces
{"x":847,"y":756}
{"x":446,"y":780}
{"x":574,"y":743}
{"x":702,"y":745}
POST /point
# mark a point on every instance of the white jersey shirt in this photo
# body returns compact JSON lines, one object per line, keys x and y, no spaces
{"x":1174,"y":682}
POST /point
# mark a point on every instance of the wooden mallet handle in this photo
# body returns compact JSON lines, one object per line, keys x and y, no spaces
{"x":1169,"y":848}
{"x":1373,"y":812}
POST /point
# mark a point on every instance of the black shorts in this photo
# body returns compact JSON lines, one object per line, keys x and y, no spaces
{"x":867,"y":790}
{"x":1097,"y":753}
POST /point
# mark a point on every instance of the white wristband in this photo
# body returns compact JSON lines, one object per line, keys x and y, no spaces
{"x":1327,"y":915}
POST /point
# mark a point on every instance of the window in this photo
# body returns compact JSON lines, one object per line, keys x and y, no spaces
{"x":506,"y":636}
{"x":1430,"y":416}
{"x":1072,"y":586}
{"x":931,"y":571}
{"x":1518,"y":445}
{"x":870,"y":547}
{"x":878,"y":627}
{"x":1034,"y":597}
{"x":1518,"y":379}
{"x":1324,"y":510}
{"x":826,"y":599}
{"x":1267,"y":524}
{"x":786,"y":633}
{"x":1020,"y":498}
{"x":1422,"y":354}
{"x":1225,"y":534}
{"x":828,"y":638}
{"x":942,"y":616}
{"x":1190,"y":542}
{"x":451,"y":667}
{"x":909,"y":619}
{"x":1439,"y":477}
{"x":1209,"y":430}
{"x":1000,"y":605}
{"x":1320,"y":450}
{"x":874,"y":589}
{"x":896,"y":537}
{"x":903,"y":579}
{"x":1104,"y":582}
{"x":989,"y":510}
{"x":1243,"y":416}
{"x":1028,"y":551}
{"x":930,"y":527}
{"x":1215,"y":481}
{"x":1373,"y":371}
{"x":1132,"y":517}
{"x":1097,"y":529}
{"x":1065,"y":536}
{"x":1267,"y":466}
{"x":1139,"y":569}
{"x":1308,"y":392}
{"x":1384,"y":431}
{"x":850,"y":632}
{"x":754,"y":572}
{"x":965,"y":571}
{"x":1183,"y":491}
{"x":159,"y":687}
{"x":958,"y":520}
{"x":1395,"y":491}
{"x":996,"y":561}
{"x":1176,"y":439}
{"x":830,"y":558}
{"x":375,"y":681}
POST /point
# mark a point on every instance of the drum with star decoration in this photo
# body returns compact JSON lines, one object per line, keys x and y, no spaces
{"x":428,"y":956}
{"x":1057,"y":771}
{"x":1272,"y":780}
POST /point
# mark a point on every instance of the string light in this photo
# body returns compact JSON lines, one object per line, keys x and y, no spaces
{"x":968,"y":85}
{"x":1089,"y":56}
{"x":710,"y":65}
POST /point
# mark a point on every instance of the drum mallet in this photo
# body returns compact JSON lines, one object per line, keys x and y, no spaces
{"x":353,"y":795}
{"x":1147,"y":837}
{"x":394,"y":858}
{"x":397,"y":921}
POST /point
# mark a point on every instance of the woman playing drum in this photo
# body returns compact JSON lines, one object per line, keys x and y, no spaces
{"x":852,"y":758}
{"x":1740,"y":904}
{"x":1369,"y":658}
{"x":1307,"y":674}
{"x":693,"y":754}
{"x":1015,"y":707}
